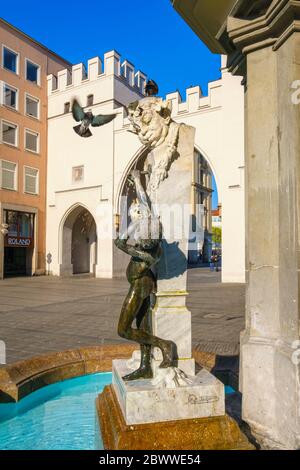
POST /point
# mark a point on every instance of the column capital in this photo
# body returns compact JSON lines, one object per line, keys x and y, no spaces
{"x":267,"y":23}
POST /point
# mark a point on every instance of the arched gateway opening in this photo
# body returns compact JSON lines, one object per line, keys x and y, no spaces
{"x":125,"y":196}
{"x":204,"y":199}
{"x":79,"y":243}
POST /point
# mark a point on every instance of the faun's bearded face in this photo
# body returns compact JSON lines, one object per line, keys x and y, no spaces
{"x":150,"y":119}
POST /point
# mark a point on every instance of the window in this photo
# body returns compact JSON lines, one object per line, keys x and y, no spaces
{"x":10,"y":60}
{"x":202,"y":177}
{"x":32,"y":106}
{"x":32,"y":72}
{"x":90,"y":100}
{"x":67,"y":107}
{"x":32,"y":141}
{"x":31,"y":183}
{"x":8,"y":175}
{"x":10,"y":96}
{"x":11,"y":219}
{"x":77,"y":173}
{"x":9,"y":133}
{"x":25,"y":224}
{"x":20,"y":224}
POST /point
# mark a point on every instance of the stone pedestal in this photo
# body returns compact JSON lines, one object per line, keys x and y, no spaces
{"x":172,"y":320}
{"x":172,"y":200}
{"x":215,"y":433}
{"x":142,"y":402}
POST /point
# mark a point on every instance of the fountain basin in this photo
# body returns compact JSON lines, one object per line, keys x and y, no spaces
{"x":48,"y":402}
{"x":61,"y":416}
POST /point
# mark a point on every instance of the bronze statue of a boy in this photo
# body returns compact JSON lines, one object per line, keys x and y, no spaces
{"x":145,"y":228}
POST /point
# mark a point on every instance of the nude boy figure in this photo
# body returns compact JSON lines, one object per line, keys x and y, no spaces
{"x":145,"y":228}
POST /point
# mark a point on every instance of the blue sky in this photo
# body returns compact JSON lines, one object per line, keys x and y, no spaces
{"x":149,"y":34}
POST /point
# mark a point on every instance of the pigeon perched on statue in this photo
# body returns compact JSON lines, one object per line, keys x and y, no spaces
{"x":87,"y":119}
{"x":151,"y":88}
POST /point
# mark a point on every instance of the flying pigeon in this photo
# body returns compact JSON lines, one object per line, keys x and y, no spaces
{"x":87,"y":119}
{"x":151,"y":88}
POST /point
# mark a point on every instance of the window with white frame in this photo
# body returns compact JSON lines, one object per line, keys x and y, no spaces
{"x":10,"y":96}
{"x":32,"y":72}
{"x":77,"y":173}
{"x":32,"y":141}
{"x":10,"y":60}
{"x":32,"y":106}
{"x":31,"y":180}
{"x":8,"y":175}
{"x":9,"y":133}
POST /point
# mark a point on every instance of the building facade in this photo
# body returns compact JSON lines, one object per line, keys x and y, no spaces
{"x":86,"y":177}
{"x":202,"y":211}
{"x":217,"y":230}
{"x":217,"y":217}
{"x":24,"y":66}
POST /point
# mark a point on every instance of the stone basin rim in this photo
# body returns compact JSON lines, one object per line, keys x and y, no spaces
{"x":19,"y":379}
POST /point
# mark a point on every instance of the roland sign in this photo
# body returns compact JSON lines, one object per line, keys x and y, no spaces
{"x":18,"y":242}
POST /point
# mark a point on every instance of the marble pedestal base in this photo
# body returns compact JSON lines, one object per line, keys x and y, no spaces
{"x":216,"y":433}
{"x":142,"y":402}
{"x":186,"y":365}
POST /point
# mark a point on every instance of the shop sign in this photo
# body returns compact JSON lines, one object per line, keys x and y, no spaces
{"x":18,"y":242}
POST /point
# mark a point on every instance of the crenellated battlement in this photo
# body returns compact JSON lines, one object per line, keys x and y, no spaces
{"x":97,"y":69}
{"x":195,"y":100}
{"x":134,"y":81}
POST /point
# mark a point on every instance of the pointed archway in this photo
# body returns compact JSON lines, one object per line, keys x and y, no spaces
{"x":204,"y":185}
{"x":124,"y":198}
{"x":79,"y":242}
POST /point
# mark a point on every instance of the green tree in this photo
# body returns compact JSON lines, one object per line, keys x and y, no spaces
{"x":217,"y":235}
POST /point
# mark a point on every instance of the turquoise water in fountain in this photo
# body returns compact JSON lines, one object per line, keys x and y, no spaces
{"x":61,"y":416}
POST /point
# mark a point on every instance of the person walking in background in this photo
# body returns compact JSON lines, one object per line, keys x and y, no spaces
{"x":212,"y":261}
{"x":216,"y":262}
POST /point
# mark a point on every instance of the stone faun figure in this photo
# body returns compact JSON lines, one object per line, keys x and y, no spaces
{"x":145,"y":230}
{"x":151,"y":120}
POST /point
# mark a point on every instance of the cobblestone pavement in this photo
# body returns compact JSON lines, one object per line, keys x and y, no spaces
{"x":48,"y":314}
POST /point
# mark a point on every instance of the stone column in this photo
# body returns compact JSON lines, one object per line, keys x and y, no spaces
{"x":171,"y":318}
{"x":270,"y":379}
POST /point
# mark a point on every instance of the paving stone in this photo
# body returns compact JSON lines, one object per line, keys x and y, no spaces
{"x":43,"y":314}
